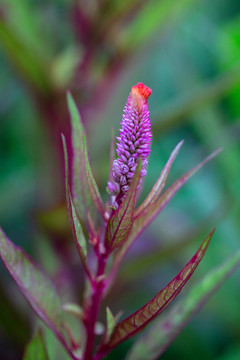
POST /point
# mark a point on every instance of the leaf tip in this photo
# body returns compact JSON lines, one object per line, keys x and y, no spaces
{"x":63,"y":138}
{"x":70,"y":100}
{"x":208,"y":239}
{"x":214,"y":154}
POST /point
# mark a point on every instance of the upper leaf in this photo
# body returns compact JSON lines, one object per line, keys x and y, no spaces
{"x":150,"y":211}
{"x":85,"y":190}
{"x":110,"y":325}
{"x":73,"y":219}
{"x":160,"y":183}
{"x":137,"y":321}
{"x":35,"y":285}
{"x":36,"y":348}
{"x":167,"y":328}
{"x":120,"y":223}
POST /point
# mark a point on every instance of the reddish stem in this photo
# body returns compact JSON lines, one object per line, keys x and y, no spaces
{"x":97,"y":291}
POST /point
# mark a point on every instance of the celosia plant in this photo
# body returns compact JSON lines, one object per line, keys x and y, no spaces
{"x":121,"y":223}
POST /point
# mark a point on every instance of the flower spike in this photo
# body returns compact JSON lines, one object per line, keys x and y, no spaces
{"x":134,"y":143}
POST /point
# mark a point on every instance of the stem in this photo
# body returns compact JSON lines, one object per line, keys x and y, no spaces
{"x":97,"y":290}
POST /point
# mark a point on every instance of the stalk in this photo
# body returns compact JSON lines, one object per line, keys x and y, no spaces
{"x":93,"y":311}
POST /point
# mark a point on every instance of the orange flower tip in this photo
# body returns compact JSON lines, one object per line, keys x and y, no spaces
{"x":141,"y":90}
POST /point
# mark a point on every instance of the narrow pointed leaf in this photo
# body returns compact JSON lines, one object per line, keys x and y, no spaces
{"x":162,"y":334}
{"x":92,"y":185}
{"x":153,"y":209}
{"x":35,"y":285}
{"x":137,"y":321}
{"x":36,"y":348}
{"x":149,"y":213}
{"x":85,"y":190}
{"x":110,"y":325}
{"x":159,"y":185}
{"x":73,"y":219}
{"x":120,"y":224}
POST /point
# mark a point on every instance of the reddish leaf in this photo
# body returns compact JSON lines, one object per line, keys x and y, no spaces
{"x":92,"y":185}
{"x":73,"y":219}
{"x":137,"y":321}
{"x":35,"y":285}
{"x":159,"y":185}
{"x":149,"y":213}
{"x":120,"y":223}
{"x":153,"y":344}
{"x":85,"y":190}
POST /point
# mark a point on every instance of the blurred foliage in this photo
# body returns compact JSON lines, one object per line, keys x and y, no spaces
{"x":188,"y":52}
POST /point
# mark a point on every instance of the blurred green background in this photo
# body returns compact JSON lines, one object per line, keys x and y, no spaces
{"x":188,"y":53}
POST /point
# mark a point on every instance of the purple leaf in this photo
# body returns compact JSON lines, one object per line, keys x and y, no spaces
{"x":35,"y":285}
{"x":36,"y":348}
{"x":153,"y":344}
{"x":149,"y":213}
{"x":85,"y":190}
{"x":137,"y":321}
{"x":159,"y":185}
{"x":120,"y":223}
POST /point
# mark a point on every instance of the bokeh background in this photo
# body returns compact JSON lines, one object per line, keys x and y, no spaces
{"x":188,"y":52}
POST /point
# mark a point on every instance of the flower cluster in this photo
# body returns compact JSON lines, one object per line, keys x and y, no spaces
{"x":134,"y":142}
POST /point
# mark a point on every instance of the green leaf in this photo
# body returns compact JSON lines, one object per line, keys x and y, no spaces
{"x":137,"y":321}
{"x":73,"y":219}
{"x":161,"y":335}
{"x":159,"y":185}
{"x":74,"y":309}
{"x":120,"y":223}
{"x":85,"y":190}
{"x":36,"y":348}
{"x":110,"y":325}
{"x":35,"y":285}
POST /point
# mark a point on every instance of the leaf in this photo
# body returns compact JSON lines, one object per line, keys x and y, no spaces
{"x":85,"y":190}
{"x":159,"y":185}
{"x":35,"y":285}
{"x":149,"y":213}
{"x":152,"y":210}
{"x":73,"y":219}
{"x":36,"y":348}
{"x":110,"y":325}
{"x":120,"y":224}
{"x":74,"y":309}
{"x":137,"y":321}
{"x":161,"y":335}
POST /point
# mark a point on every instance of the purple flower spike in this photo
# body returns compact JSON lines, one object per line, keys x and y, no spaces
{"x":134,"y":142}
